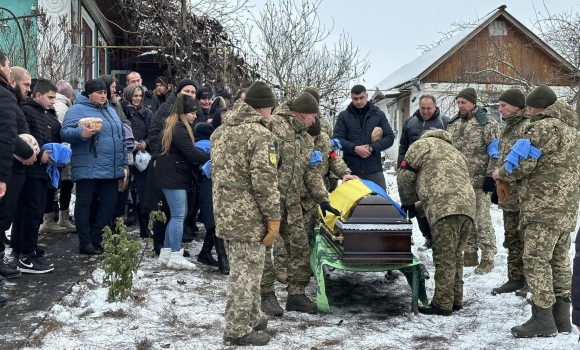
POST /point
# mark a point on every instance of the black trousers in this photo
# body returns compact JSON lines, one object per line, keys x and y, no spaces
{"x":378,"y":178}
{"x":140,"y":183}
{"x":28,"y":216}
{"x":66,"y":187}
{"x":106,"y":191}
{"x":9,"y":202}
{"x":424,"y":227}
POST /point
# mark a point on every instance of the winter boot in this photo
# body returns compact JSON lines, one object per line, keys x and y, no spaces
{"x":470,"y":259}
{"x":523,"y":292}
{"x":270,"y":305}
{"x":50,"y":226}
{"x":300,"y":303}
{"x":6,"y":271}
{"x":541,"y":324}
{"x":143,"y":226}
{"x":204,"y":255}
{"x":508,"y":287}
{"x":131,"y":215}
{"x":435,"y":310}
{"x":164,"y":255}
{"x":64,"y":221}
{"x":188,"y":233}
{"x":262,"y":325}
{"x":157,"y":248}
{"x":484,"y":267}
{"x":255,"y":338}
{"x":178,"y":262}
{"x":561,"y":313}
{"x":223,"y":262}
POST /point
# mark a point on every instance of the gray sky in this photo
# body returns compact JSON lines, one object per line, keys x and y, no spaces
{"x":390,"y":31}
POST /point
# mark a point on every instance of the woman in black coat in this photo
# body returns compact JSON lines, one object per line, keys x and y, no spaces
{"x":174,"y":175}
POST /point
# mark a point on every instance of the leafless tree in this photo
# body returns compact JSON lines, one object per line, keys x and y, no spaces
{"x":456,"y":27}
{"x":287,"y":41}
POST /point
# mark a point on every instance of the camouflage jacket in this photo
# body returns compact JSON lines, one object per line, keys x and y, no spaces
{"x":331,"y":162}
{"x":514,"y":130}
{"x":295,"y":147}
{"x":436,"y":174}
{"x":471,"y":136}
{"x":244,"y":173}
{"x":549,"y":188}
{"x":325,"y":125}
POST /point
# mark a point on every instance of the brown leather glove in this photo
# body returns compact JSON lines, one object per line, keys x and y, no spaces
{"x":503,"y":191}
{"x":377,"y":134}
{"x":273,"y":230}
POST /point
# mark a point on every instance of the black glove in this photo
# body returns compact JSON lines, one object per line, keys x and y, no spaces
{"x":326,"y":207}
{"x":494,"y":197}
{"x":410,"y":209}
{"x":488,"y":185}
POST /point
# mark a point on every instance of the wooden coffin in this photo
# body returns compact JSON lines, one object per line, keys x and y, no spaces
{"x":376,"y":233}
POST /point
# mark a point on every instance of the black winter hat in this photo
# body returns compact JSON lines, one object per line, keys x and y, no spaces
{"x":305,"y":103}
{"x":541,"y":97}
{"x":314,"y":93}
{"x":184,"y":82}
{"x":226,"y":95}
{"x":469,"y":94}
{"x":514,"y":97}
{"x":259,"y":95}
{"x":162,"y":80}
{"x":314,"y":129}
{"x":204,"y":92}
{"x":203,"y":131}
{"x":95,"y":85}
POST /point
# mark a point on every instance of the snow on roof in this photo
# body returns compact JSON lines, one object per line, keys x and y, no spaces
{"x":415,"y":68}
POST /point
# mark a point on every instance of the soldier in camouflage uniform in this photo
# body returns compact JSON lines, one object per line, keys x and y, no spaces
{"x":332,"y":162}
{"x":289,"y":123}
{"x":244,"y":174}
{"x":512,"y":106}
{"x":549,"y":194}
{"x":436,"y":174}
{"x":473,"y":133}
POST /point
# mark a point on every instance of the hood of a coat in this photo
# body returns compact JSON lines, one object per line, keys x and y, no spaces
{"x":438,"y":134}
{"x":63,"y":99}
{"x":559,"y":110}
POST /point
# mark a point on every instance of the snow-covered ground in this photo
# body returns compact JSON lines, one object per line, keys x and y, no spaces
{"x":184,"y":310}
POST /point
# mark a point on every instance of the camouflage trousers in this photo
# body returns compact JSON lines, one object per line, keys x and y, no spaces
{"x":295,"y":240}
{"x":243,"y":301}
{"x":450,"y":236}
{"x":281,"y":247}
{"x":546,"y":263}
{"x":482,"y":235}
{"x":514,"y":243}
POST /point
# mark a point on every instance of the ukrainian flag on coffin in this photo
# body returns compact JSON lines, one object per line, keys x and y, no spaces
{"x":347,"y":196}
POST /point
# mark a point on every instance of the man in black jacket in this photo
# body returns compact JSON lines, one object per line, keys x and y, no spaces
{"x":427,"y":117}
{"x":354,"y":127}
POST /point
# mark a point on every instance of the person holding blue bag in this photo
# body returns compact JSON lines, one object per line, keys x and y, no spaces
{"x":203,"y":132}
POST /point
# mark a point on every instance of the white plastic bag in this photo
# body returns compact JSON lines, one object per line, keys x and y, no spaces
{"x":142,"y":159}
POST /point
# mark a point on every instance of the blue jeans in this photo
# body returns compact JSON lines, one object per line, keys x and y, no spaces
{"x":177,"y":201}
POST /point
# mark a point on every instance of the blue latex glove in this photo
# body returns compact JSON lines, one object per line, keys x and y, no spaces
{"x":206,"y":169}
{"x":336,"y":144}
{"x":315,"y":158}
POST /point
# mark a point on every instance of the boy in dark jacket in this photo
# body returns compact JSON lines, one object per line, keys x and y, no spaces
{"x":45,"y":128}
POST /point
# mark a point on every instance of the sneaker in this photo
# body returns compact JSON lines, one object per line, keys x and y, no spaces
{"x":28,"y":264}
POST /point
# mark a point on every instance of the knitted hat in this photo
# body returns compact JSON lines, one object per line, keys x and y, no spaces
{"x":514,"y":97}
{"x":184,"y":82}
{"x":314,"y":93}
{"x":259,"y":95}
{"x":95,"y":85}
{"x":314,"y":129}
{"x":469,"y":94}
{"x":204,"y":92}
{"x":163,"y":81}
{"x":541,"y":97}
{"x":64,"y":88}
{"x":305,"y":103}
{"x":203,"y":131}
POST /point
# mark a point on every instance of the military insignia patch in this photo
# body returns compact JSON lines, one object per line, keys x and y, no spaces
{"x":531,"y":131}
{"x":272,"y":153}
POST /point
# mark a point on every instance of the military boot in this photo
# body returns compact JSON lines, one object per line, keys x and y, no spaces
{"x":541,"y":324}
{"x":270,"y":305}
{"x":484,"y":267}
{"x":470,"y":259}
{"x":523,"y":292}
{"x":255,"y":338}
{"x":223,"y":262}
{"x":435,"y":310}
{"x":301,"y":303}
{"x":262,"y":325}
{"x":508,"y":287}
{"x":561,"y":313}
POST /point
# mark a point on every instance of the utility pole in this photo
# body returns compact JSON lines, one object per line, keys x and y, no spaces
{"x":184,"y":15}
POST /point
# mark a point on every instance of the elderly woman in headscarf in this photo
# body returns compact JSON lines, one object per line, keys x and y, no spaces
{"x":140,"y":117}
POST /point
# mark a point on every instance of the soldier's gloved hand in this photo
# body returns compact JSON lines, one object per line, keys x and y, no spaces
{"x":273,"y":230}
{"x":326,"y":207}
{"x":410,"y":210}
{"x":488,"y":185}
{"x":494,"y":197}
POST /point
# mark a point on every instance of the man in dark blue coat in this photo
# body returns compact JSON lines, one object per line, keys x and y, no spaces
{"x":354,"y":127}
{"x":427,"y":117}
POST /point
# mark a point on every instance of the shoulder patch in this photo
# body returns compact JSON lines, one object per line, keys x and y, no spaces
{"x":272,"y":153}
